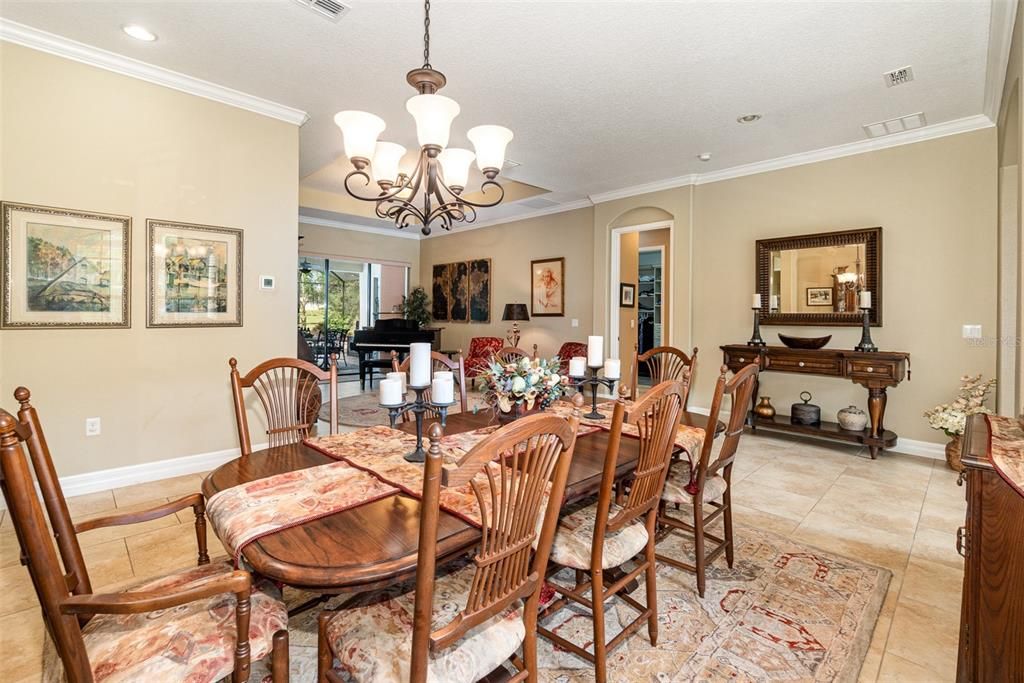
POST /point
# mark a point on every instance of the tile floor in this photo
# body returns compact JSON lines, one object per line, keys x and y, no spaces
{"x":900,"y":512}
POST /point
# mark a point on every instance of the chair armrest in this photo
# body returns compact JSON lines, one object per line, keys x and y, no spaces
{"x":190,"y":501}
{"x":239,"y":582}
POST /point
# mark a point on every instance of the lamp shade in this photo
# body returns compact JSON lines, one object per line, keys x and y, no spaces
{"x":515,"y":312}
{"x":359,"y":130}
{"x":434,"y":115}
{"x":386,"y":157}
{"x":455,"y":164}
{"x":489,"y":143}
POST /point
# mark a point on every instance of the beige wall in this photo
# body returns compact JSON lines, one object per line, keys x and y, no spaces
{"x":511,"y":247}
{"x":80,"y":137}
{"x":355,"y":245}
{"x":936,"y":201}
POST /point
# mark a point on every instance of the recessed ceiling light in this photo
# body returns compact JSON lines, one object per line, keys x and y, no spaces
{"x":748,"y":118}
{"x":139,"y":32}
{"x":706,"y":156}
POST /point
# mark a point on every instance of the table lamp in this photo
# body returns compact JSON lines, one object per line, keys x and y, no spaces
{"x":515,"y":313}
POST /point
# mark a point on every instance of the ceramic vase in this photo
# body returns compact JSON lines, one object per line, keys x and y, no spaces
{"x":953,"y":454}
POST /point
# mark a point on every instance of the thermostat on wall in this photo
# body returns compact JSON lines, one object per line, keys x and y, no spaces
{"x":266,"y":281}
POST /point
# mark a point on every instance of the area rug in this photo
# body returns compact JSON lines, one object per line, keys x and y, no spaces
{"x":363,"y":410}
{"x":784,"y":612}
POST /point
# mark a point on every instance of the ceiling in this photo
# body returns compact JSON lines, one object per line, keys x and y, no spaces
{"x":600,"y":95}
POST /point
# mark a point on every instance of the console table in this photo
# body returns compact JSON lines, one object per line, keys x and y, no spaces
{"x":875,"y":371}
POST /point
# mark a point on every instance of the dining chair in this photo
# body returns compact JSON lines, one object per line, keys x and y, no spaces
{"x":711,"y":484}
{"x":567,"y":352}
{"x":199,"y":624}
{"x":606,"y":534}
{"x":461,"y":626}
{"x":664,"y":364}
{"x":511,"y":354}
{"x":289,"y":391}
{"x":439,"y":361}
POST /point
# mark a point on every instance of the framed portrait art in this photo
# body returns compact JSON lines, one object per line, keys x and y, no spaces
{"x":547,"y":287}
{"x":194,"y":275}
{"x":819,"y":296}
{"x":64,"y":268}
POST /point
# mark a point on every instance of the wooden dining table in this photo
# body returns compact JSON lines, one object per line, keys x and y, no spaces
{"x":375,"y":544}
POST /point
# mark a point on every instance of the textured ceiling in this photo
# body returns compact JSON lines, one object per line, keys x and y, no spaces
{"x":601,"y":95}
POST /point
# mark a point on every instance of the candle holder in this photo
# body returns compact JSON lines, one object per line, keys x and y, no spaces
{"x":865,"y":333}
{"x":593,"y":381}
{"x":755,"y":336}
{"x":418,"y":407}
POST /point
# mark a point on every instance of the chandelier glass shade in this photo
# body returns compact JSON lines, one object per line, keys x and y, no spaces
{"x":431,"y":192}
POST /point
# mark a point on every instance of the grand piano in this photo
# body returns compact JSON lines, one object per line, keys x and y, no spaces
{"x":387,"y":335}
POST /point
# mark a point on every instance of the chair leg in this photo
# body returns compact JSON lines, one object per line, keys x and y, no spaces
{"x":698,"y":542}
{"x":727,"y":514}
{"x":324,"y":656}
{"x":652,"y":580}
{"x":600,"y":645}
{"x":279,"y":658}
{"x":530,"y":643}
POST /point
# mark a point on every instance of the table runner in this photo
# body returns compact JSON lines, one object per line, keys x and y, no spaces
{"x":247,"y":512}
{"x":689,"y":439}
{"x":1007,"y":449}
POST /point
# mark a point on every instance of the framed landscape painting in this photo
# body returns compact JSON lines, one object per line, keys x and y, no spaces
{"x":64,"y":268}
{"x":480,"y":291}
{"x":547,"y":287}
{"x":194,"y":275}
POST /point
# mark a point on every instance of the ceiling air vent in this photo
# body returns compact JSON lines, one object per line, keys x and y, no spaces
{"x":897,"y":125}
{"x":332,"y":9}
{"x":898,"y":76}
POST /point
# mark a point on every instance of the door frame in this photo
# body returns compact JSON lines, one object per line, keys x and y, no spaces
{"x":615,"y":253}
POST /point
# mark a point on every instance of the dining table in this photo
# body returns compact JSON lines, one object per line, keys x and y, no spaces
{"x":374,"y":545}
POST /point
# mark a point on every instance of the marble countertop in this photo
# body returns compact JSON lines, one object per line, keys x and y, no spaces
{"x":1007,"y":449}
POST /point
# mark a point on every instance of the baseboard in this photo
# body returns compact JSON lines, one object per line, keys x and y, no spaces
{"x":924,"y":449}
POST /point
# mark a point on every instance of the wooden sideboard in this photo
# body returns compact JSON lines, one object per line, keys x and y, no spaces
{"x":992,"y":611}
{"x":875,"y":371}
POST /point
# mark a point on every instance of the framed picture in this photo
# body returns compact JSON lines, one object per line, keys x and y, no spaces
{"x":627,"y":295}
{"x":547,"y":287}
{"x":819,"y":296}
{"x":458,"y":294}
{"x":194,"y":275}
{"x":64,"y":268}
{"x":441,"y":287}
{"x":480,"y":291}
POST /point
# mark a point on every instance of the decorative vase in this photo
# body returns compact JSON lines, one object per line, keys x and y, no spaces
{"x":764,"y":408}
{"x":953,"y":454}
{"x":852,"y":419}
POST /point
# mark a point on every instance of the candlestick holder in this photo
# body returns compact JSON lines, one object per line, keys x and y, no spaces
{"x":755,"y":336}
{"x":418,"y":407}
{"x":865,"y":333}
{"x":593,"y":382}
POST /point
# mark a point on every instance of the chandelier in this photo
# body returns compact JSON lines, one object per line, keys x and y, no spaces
{"x":432,"y":192}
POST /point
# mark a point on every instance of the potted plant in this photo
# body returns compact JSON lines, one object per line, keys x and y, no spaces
{"x":951,"y":418}
{"x":416,"y":306}
{"x":524,"y":386}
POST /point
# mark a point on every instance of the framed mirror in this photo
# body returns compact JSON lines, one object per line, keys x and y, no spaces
{"x":817,"y":279}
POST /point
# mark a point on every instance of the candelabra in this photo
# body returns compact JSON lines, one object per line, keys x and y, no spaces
{"x":755,"y":336}
{"x":418,"y":407}
{"x":593,"y":381}
{"x":865,"y":333}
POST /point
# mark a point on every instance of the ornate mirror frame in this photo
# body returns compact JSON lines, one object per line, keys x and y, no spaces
{"x":870,"y":237}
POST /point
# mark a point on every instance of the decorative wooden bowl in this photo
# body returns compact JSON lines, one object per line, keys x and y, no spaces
{"x":804,"y":342}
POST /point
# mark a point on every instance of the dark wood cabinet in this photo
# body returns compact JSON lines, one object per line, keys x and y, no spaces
{"x":992,"y":543}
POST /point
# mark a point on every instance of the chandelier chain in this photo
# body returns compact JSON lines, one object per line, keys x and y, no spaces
{"x":426,"y":34}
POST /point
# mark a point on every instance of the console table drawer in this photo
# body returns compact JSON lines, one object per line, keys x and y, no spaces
{"x":740,"y":359}
{"x":868,"y":369}
{"x":810,"y":364}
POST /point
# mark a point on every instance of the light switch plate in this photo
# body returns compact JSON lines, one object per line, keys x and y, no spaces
{"x":972,"y":332}
{"x":575,"y":322}
{"x":92,"y":426}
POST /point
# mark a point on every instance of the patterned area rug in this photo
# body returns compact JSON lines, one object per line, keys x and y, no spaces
{"x":363,"y":411}
{"x":784,"y":612}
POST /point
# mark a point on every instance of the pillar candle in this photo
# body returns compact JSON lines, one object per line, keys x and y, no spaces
{"x":865,"y":299}
{"x":775,"y":302}
{"x":390,"y":392}
{"x":755,"y":302}
{"x":400,"y":376}
{"x":612,"y":368}
{"x":419,"y":364}
{"x":577,"y":366}
{"x":442,"y":390}
{"x":595,"y":351}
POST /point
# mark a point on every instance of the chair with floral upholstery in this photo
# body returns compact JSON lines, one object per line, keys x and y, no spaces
{"x":611,"y":531}
{"x":711,"y":484}
{"x":200,"y":624}
{"x":481,"y":350}
{"x":567,"y":352}
{"x":461,"y":626}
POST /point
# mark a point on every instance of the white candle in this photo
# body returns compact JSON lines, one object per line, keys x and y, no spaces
{"x":577,"y":366}
{"x":445,"y":374}
{"x":775,"y":302}
{"x":442,"y":390}
{"x":390,"y":392}
{"x":612,"y":368}
{"x":865,"y":299}
{"x":400,"y":376}
{"x":755,"y":302}
{"x":595,"y":351}
{"x":419,"y":364}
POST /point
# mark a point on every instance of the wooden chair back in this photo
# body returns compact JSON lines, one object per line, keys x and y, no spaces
{"x":664,"y":364}
{"x":739,"y":389}
{"x":289,"y":391}
{"x":511,"y":354}
{"x":526,"y":465}
{"x":439,"y":361}
{"x":656,"y":417}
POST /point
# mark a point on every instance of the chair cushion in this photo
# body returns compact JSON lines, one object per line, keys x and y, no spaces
{"x":677,"y":485}
{"x":372,"y":639}
{"x":194,"y":642}
{"x":575,"y":537}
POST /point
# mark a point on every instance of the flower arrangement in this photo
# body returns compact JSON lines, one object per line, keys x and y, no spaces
{"x":951,"y":418}
{"x":523,"y":384}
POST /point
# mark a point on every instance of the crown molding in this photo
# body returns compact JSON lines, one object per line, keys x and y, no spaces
{"x":386,"y":232}
{"x":645,"y":188}
{"x":1000,"y":37}
{"x":560,"y":208}
{"x":60,"y":46}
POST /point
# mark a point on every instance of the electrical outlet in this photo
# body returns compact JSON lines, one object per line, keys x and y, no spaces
{"x":575,"y":322}
{"x":632,"y":323}
{"x":972,"y":331}
{"x":92,"y":426}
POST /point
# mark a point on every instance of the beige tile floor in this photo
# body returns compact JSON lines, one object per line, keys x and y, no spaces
{"x":899,"y":512}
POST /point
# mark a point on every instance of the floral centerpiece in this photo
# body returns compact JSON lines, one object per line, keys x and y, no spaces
{"x":523,"y":385}
{"x":951,"y":418}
